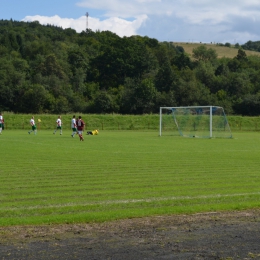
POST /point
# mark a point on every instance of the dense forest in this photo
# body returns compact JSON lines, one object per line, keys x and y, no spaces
{"x":47,"y":69}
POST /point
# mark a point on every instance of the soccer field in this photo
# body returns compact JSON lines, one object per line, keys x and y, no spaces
{"x":48,"y":178}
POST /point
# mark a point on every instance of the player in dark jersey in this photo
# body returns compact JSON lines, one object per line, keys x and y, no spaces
{"x":80,"y":126}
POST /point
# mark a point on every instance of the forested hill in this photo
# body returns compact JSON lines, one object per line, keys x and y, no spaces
{"x":47,"y":69}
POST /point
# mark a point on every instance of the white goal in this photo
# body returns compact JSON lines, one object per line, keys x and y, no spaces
{"x":194,"y":121}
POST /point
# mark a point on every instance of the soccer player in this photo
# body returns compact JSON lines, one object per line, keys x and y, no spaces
{"x":1,"y":122}
{"x":59,"y":123}
{"x":80,"y":126}
{"x":95,"y":132}
{"x":73,"y":126}
{"x":33,"y":125}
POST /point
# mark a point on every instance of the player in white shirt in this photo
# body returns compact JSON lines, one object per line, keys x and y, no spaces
{"x":1,"y":123}
{"x":73,"y":126}
{"x":59,"y":123}
{"x":33,"y":125}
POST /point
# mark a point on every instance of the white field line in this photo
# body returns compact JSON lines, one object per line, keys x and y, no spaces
{"x":214,"y":196}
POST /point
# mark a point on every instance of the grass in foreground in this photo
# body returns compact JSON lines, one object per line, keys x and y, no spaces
{"x":123,"y":174}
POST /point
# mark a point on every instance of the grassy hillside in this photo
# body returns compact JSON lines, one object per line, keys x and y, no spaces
{"x":222,"y":51}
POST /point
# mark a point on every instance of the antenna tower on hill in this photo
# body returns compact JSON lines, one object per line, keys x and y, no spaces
{"x":86,"y":21}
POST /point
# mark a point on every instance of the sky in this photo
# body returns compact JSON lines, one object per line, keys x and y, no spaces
{"x":206,"y":21}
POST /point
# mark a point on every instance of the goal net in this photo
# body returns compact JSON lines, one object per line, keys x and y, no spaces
{"x":194,"y":121}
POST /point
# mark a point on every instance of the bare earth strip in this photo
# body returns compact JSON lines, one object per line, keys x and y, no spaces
{"x":215,"y":235}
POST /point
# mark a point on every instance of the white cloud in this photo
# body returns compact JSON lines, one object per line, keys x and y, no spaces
{"x":117,"y":25}
{"x":78,"y":24}
{"x":178,"y":20}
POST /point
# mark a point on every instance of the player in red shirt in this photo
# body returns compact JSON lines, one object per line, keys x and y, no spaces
{"x":80,"y":126}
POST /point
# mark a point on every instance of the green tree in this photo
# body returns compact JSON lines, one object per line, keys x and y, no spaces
{"x":103,"y":103}
{"x":138,"y":96}
{"x":52,"y":67}
{"x":234,"y":65}
{"x":166,"y":78}
{"x":239,"y":84}
{"x":202,"y":53}
{"x":182,"y":61}
{"x":62,"y":105}
{"x":12,"y":80}
{"x":192,"y":93}
{"x":33,"y":100}
{"x":222,"y":99}
{"x":77,"y":60}
{"x":249,"y":105}
{"x":164,"y":99}
{"x":205,"y":73}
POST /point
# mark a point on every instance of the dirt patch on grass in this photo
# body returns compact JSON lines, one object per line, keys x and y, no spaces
{"x":220,"y":235}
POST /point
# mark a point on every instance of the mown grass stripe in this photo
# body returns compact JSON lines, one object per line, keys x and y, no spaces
{"x":74,"y":180}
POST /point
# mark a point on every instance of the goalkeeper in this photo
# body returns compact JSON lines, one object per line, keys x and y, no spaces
{"x":94,"y":132}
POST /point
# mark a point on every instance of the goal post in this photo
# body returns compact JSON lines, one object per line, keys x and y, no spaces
{"x":194,"y":121}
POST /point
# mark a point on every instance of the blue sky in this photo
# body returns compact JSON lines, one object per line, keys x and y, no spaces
{"x":217,"y":21}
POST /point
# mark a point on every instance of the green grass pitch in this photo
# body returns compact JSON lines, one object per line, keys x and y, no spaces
{"x":48,"y":178}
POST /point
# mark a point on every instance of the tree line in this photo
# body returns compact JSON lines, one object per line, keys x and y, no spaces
{"x":47,"y":69}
